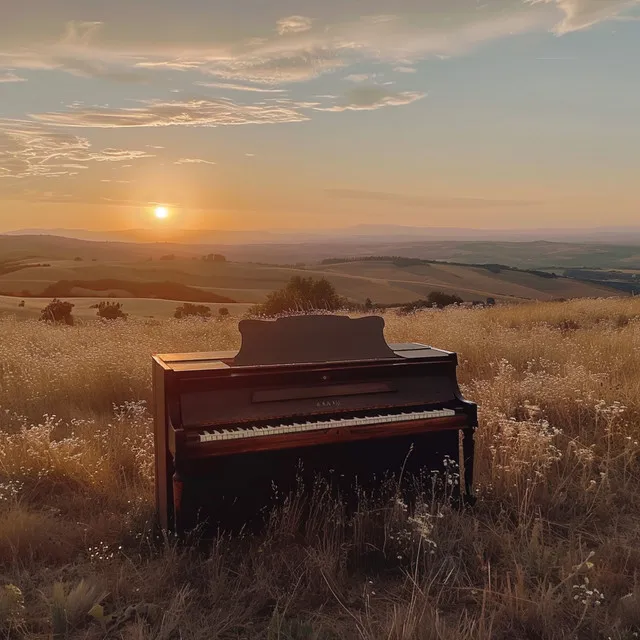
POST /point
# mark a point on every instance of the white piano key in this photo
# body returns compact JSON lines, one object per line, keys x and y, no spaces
{"x":297,"y":427}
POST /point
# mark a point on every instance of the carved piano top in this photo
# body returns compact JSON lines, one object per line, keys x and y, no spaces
{"x":305,"y":340}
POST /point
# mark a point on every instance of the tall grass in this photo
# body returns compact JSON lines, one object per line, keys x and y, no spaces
{"x":551,"y":549}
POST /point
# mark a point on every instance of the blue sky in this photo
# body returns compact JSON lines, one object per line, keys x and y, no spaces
{"x":471,"y":113}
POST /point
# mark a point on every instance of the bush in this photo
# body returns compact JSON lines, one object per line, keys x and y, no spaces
{"x":214,"y":257}
{"x":192,"y":310}
{"x":169,"y":256}
{"x":223,"y":311}
{"x":434,"y":299}
{"x":441,"y":299}
{"x":302,"y":294}
{"x":110,"y":310}
{"x":58,"y":311}
{"x":21,"y":303}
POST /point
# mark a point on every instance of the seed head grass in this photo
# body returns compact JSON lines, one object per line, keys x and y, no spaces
{"x":550,"y":550}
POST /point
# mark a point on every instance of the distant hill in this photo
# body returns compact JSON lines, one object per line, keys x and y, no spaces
{"x":120,"y":271}
{"x":529,"y":255}
{"x":362,"y":233}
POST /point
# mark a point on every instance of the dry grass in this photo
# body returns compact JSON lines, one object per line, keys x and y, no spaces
{"x":549,"y":551}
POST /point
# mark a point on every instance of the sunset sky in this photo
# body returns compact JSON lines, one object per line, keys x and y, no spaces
{"x":300,"y":113}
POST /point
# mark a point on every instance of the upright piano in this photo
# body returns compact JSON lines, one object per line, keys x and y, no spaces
{"x":304,"y":397}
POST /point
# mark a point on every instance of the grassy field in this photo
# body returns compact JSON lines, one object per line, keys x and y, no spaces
{"x":551,"y":549}
{"x":382,"y":282}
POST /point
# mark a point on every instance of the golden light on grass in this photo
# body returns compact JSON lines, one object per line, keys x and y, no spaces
{"x":557,"y":450}
{"x":161,"y":213}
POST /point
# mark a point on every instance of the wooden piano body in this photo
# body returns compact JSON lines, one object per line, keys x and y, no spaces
{"x":304,"y":397}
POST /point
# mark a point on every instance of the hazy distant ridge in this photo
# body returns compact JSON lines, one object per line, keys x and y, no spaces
{"x":361,"y":233}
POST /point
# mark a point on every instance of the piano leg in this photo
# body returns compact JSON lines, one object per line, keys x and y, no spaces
{"x":178,"y":488}
{"x":468,"y":446}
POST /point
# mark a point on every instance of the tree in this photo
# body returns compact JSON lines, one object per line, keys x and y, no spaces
{"x":214,"y":257}
{"x":434,"y":299}
{"x":21,"y":303}
{"x":192,"y":310}
{"x":58,"y":311}
{"x":368,"y":305}
{"x":441,"y":299}
{"x":302,"y":294}
{"x":110,"y":310}
{"x":223,"y":311}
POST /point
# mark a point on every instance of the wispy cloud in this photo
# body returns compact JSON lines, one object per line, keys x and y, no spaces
{"x":582,"y":14}
{"x":298,"y":52}
{"x":9,"y":76}
{"x":239,"y":87}
{"x":193,"y":161}
{"x":359,"y":77}
{"x":368,"y":98}
{"x":31,"y":150}
{"x":425,"y":201}
{"x":293,"y":24}
{"x":156,"y":113}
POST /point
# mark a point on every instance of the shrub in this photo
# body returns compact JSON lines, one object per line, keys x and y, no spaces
{"x":58,"y":311}
{"x":169,"y":256}
{"x":78,"y":259}
{"x":223,"y":311}
{"x":214,"y":257}
{"x":302,"y":294}
{"x":441,"y":299}
{"x":193,"y":310}
{"x":21,"y":303}
{"x":110,"y":310}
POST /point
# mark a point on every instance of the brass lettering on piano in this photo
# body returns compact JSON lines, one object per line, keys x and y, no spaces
{"x":304,"y":397}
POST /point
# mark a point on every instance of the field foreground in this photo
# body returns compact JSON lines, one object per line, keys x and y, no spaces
{"x":551,"y":550}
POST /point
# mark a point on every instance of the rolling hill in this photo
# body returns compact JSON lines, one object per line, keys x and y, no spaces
{"x":382,"y":281}
{"x":523,"y":254}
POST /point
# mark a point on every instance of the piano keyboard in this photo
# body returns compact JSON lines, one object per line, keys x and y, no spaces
{"x":253,"y":432}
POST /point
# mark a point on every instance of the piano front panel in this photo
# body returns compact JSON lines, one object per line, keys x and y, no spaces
{"x":229,"y":403}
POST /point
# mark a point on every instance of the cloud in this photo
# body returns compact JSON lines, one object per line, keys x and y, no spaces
{"x":31,"y":150}
{"x":9,"y":76}
{"x":156,"y":113}
{"x":293,"y":24}
{"x":404,"y":69}
{"x":359,"y":77}
{"x":368,"y":98}
{"x":582,"y":14}
{"x":434,"y":29}
{"x":118,"y":155}
{"x":193,"y":161}
{"x":278,"y":67}
{"x":425,"y":201}
{"x":239,"y":87}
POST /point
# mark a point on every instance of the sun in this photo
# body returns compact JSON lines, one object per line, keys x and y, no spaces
{"x":161,"y":213}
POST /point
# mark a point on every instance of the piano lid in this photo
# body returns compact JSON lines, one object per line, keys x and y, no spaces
{"x":313,"y":338}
